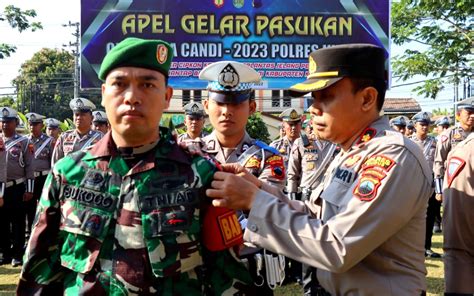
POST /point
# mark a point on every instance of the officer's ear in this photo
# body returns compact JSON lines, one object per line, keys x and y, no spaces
{"x":168,"y":95}
{"x":205,"y":104}
{"x":252,"y":106}
{"x":369,"y":98}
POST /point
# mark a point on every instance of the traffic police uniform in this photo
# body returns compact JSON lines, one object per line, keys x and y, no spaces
{"x":71,"y":141}
{"x":447,"y":141}
{"x":43,"y":147}
{"x":129,"y":221}
{"x":458,"y":219}
{"x":20,"y":177}
{"x":428,"y":146}
{"x":3,"y":167}
{"x":369,"y":238}
{"x":258,"y":158}
{"x":283,"y":145}
{"x":193,"y":110}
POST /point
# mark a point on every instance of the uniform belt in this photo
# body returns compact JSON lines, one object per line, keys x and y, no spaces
{"x":14,"y":182}
{"x":41,"y":173}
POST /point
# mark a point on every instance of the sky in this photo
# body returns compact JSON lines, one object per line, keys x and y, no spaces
{"x":53,"y":14}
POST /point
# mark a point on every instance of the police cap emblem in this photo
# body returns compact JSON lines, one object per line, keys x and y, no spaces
{"x":5,"y":112}
{"x":229,"y":78}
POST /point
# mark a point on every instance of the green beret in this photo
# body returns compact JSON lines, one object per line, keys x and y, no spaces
{"x":136,"y":52}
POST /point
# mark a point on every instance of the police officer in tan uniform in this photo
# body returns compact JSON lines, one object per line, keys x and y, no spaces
{"x":427,"y":144}
{"x":410,"y":129}
{"x":399,"y":124}
{"x":19,"y":187}
{"x":43,"y":147}
{"x":450,"y":138}
{"x":3,"y":169}
{"x":82,"y":136}
{"x":291,"y":122}
{"x":442,"y":124}
{"x":194,"y":122}
{"x":100,"y":122}
{"x":458,"y":219}
{"x":369,"y":238}
{"x":229,"y":105}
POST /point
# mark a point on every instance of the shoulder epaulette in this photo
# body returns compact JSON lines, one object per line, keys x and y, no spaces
{"x":266,"y":147}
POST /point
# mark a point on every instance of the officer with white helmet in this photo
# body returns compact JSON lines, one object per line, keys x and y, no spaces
{"x":100,"y":121}
{"x":82,"y":136}
{"x":194,"y":122}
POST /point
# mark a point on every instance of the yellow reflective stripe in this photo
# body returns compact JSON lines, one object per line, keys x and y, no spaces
{"x":323,"y":74}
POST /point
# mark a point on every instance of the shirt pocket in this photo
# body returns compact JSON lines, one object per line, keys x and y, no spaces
{"x":172,"y":230}
{"x":84,"y":228}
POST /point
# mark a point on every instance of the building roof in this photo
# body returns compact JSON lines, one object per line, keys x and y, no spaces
{"x":400,"y":106}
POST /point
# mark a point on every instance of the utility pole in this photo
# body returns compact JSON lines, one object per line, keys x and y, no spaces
{"x":75,"y":52}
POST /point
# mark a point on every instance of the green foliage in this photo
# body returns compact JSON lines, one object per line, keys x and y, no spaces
{"x":440,"y":35}
{"x":7,"y":101}
{"x":46,"y":85}
{"x":20,"y":20}
{"x":257,"y":129}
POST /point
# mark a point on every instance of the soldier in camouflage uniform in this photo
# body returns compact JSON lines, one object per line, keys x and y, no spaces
{"x":450,"y":138}
{"x":125,"y":216}
{"x":194,"y":122}
{"x":291,"y":122}
{"x":19,"y":187}
{"x":229,"y":105}
{"x":43,"y":146}
{"x":82,"y":136}
{"x":427,"y":144}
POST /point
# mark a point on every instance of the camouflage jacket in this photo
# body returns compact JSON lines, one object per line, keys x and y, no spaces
{"x":104,"y":229}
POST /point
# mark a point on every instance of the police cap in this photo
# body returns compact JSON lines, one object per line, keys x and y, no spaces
{"x":7,"y":114}
{"x":229,"y":82}
{"x":291,"y":115}
{"x":194,"y":109}
{"x":81,"y":105}
{"x":329,"y":65}
{"x":99,"y":116}
{"x":467,"y":104}
{"x":35,"y":117}
{"x":52,"y":122}
{"x":399,"y":121}
{"x":422,"y":117}
{"x":443,"y":121}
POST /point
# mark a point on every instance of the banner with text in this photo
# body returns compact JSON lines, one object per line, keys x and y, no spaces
{"x":274,"y":37}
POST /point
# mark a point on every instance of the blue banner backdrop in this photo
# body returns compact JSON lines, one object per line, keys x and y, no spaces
{"x":275,"y":37}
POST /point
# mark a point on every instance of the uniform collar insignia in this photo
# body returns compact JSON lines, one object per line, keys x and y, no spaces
{"x":367,"y":135}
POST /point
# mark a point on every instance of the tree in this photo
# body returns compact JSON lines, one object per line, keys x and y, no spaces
{"x":20,"y":20}
{"x":440,"y":34}
{"x":257,"y":129}
{"x":46,"y":85}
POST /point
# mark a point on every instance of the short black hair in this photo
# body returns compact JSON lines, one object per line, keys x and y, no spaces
{"x":379,"y":84}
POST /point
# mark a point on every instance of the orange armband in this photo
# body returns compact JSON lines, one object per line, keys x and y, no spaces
{"x":221,"y":229}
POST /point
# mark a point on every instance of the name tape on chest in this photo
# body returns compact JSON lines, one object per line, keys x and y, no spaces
{"x":88,"y":197}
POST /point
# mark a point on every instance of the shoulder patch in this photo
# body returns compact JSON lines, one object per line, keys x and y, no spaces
{"x":277,"y":166}
{"x":253,"y":163}
{"x":367,"y":135}
{"x":455,"y":165}
{"x":373,"y":171}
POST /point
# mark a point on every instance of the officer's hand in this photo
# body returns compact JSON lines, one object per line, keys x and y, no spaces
{"x":439,"y":197}
{"x":193,"y":147}
{"x":239,"y":170}
{"x":232,"y":191}
{"x":1,"y":202}
{"x":27,"y":196}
